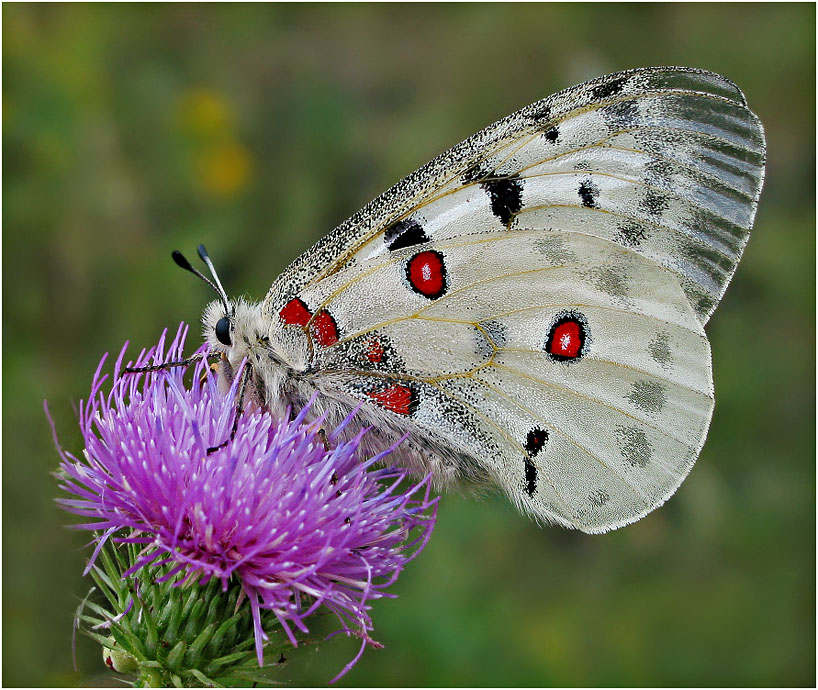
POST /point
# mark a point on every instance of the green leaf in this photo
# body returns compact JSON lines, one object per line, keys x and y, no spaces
{"x":128,"y":641}
{"x":151,"y":635}
{"x":204,"y":680}
{"x":192,"y":598}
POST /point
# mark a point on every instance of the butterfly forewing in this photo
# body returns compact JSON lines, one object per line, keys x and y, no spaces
{"x":665,"y":161}
{"x":531,"y":303}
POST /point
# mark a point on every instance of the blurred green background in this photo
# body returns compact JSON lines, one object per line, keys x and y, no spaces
{"x":129,"y":131}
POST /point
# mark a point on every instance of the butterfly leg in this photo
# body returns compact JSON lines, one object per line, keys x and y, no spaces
{"x":245,"y":377}
{"x":166,"y":365}
{"x":323,"y":436}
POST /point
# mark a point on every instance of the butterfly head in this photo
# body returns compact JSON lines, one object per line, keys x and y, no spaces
{"x":235,"y":328}
{"x":242,"y":336}
{"x":238,"y":331}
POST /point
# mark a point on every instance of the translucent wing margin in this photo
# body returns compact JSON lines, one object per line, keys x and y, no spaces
{"x":666,"y":162}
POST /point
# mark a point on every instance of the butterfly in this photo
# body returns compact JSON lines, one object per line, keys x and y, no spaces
{"x":528,"y":307}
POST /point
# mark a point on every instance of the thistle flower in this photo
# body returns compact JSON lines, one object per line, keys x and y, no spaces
{"x":298,"y":526}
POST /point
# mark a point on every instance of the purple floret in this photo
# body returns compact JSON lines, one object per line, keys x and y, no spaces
{"x":300,"y":526}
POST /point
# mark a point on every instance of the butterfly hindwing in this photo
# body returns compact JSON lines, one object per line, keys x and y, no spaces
{"x":546,"y":353}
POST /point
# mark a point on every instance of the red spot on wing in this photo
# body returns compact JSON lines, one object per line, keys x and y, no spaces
{"x":324,"y":329}
{"x":397,"y":398}
{"x":566,"y":339}
{"x":374,"y":351}
{"x":426,"y":273}
{"x":295,"y":313}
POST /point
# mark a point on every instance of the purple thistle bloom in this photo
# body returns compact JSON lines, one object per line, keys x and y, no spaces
{"x":300,"y":526}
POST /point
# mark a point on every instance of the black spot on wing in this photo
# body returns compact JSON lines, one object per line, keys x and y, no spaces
{"x":658,"y":172}
{"x":552,"y":134}
{"x":649,"y":396}
{"x":496,"y":332}
{"x":555,"y":249}
{"x":704,"y":303}
{"x":530,"y":477}
{"x":404,"y":233}
{"x":659,"y":349}
{"x":622,"y":115}
{"x":588,"y":193}
{"x":634,"y":445}
{"x":535,"y":441}
{"x":475,"y":173}
{"x":608,"y":89}
{"x":598,"y":498}
{"x":506,"y":195}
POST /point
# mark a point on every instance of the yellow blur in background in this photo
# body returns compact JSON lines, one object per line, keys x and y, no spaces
{"x":219,"y":164}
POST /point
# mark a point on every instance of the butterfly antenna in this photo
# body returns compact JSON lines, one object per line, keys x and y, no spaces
{"x":182,"y":262}
{"x":203,"y":255}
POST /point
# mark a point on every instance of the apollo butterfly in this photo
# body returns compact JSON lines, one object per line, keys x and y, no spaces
{"x":529,"y":306}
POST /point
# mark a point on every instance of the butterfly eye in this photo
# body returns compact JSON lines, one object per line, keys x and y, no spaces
{"x":223,"y":330}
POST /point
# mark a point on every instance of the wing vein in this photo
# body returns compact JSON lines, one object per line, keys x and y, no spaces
{"x":509,"y":138}
{"x":612,"y":363}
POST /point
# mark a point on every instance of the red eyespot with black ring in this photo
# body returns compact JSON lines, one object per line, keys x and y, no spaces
{"x":426,"y":274}
{"x":568,"y":337}
{"x":398,"y":398}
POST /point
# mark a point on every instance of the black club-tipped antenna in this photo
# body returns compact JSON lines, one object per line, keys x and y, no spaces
{"x":182,"y":262}
{"x":203,"y":255}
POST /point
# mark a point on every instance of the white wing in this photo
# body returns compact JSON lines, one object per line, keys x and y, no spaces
{"x":531,"y":303}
